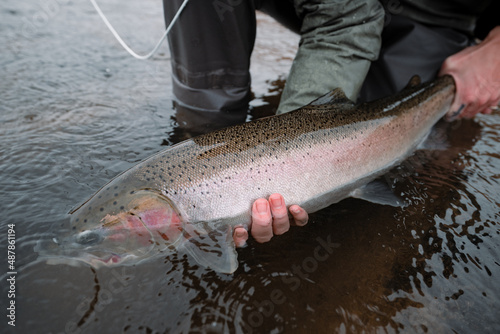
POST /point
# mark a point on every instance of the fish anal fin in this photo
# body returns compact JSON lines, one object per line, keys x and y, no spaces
{"x":378,"y":192}
{"x":214,"y":250}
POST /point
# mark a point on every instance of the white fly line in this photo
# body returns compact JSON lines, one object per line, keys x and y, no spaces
{"x":125,"y":46}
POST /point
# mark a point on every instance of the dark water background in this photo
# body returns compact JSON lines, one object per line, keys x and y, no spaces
{"x":76,"y":110}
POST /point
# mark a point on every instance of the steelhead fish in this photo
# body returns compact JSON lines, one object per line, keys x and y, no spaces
{"x":191,"y":195}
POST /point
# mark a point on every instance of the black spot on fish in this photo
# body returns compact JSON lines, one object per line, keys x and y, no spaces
{"x":114,"y":203}
{"x":101,"y":209}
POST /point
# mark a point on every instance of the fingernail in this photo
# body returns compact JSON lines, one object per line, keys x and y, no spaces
{"x":240,"y":234}
{"x":300,"y":222}
{"x":295,"y":210}
{"x":262,"y":207}
{"x":276,"y":202}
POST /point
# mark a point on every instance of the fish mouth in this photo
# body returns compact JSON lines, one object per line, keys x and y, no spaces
{"x":87,"y":258}
{"x":54,"y":251}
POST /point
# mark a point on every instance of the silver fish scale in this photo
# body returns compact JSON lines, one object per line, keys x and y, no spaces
{"x":305,"y":155}
{"x":209,"y":178}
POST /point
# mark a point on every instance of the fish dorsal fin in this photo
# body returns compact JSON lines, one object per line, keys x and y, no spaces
{"x":336,"y":96}
{"x":414,"y":81}
{"x":214,"y":250}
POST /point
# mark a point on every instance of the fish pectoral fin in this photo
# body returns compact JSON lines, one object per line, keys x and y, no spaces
{"x":378,"y":192}
{"x":215,"y":250}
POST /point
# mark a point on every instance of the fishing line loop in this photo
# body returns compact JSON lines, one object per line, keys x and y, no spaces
{"x":124,"y":45}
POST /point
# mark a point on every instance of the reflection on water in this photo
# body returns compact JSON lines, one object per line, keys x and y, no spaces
{"x":76,"y":111}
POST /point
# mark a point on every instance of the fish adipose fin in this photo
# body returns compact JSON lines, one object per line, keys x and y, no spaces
{"x":378,"y":192}
{"x":215,"y":249}
{"x":336,"y":96}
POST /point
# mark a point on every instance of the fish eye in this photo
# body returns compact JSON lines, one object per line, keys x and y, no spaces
{"x":88,"y":238}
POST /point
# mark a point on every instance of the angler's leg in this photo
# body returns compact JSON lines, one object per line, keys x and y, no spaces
{"x":210,"y":46}
{"x":339,"y":39}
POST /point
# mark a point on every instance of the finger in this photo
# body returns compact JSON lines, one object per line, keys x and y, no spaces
{"x":495,"y":107}
{"x":299,"y":215}
{"x":470,"y":111}
{"x":466,"y":112}
{"x":240,"y":236}
{"x":482,"y":103}
{"x":454,"y":113}
{"x":262,"y":229}
{"x":457,"y":105}
{"x":281,"y":222}
{"x":484,"y":110}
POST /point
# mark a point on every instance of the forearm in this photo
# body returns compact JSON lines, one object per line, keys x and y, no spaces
{"x":339,"y":39}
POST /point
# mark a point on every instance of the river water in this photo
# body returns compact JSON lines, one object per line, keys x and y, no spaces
{"x":76,"y":110}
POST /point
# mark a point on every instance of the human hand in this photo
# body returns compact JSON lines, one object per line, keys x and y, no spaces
{"x":270,"y":217}
{"x":476,"y":71}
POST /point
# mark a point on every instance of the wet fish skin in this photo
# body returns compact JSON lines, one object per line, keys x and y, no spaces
{"x":199,"y":189}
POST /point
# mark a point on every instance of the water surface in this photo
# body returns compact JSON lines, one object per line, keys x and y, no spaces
{"x":76,"y":110}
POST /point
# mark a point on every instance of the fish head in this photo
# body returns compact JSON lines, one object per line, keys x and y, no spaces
{"x":128,"y":221}
{"x":117,"y":225}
